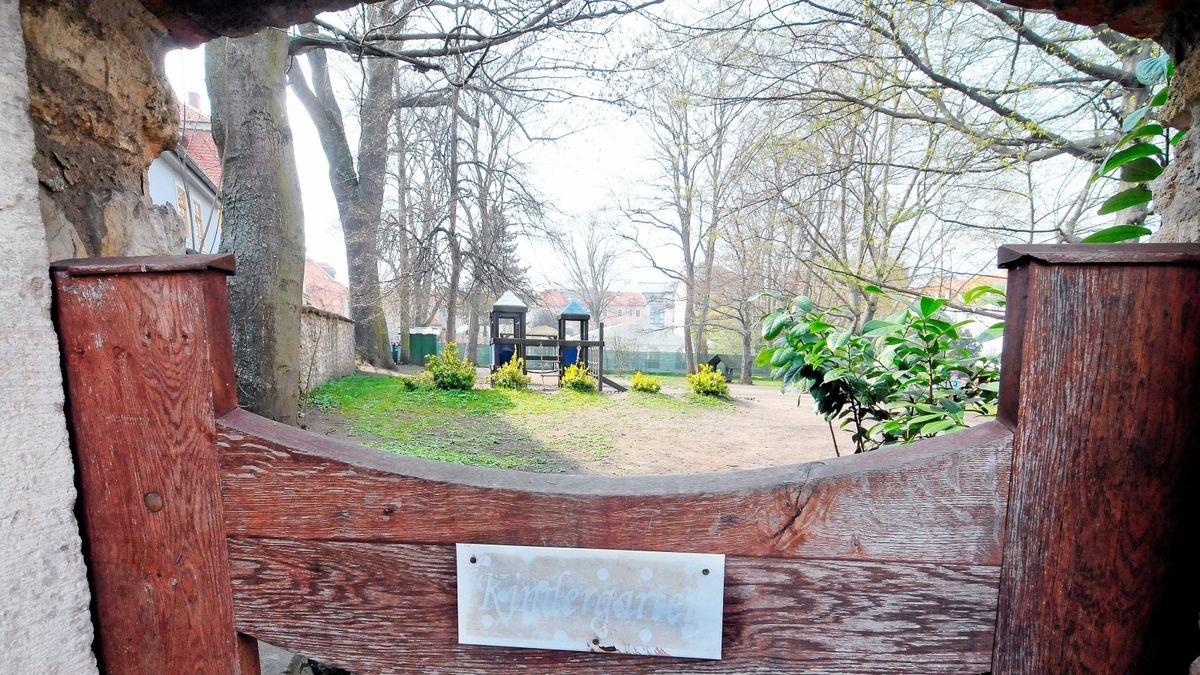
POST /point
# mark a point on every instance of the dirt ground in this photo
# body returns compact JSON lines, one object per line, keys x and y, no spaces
{"x":763,"y":428}
{"x":759,"y":427}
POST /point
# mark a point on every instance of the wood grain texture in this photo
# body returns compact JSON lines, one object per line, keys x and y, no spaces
{"x":79,"y":267}
{"x":391,"y":608}
{"x":937,"y":501}
{"x":1099,"y":571}
{"x":1099,"y":254}
{"x":140,"y":409}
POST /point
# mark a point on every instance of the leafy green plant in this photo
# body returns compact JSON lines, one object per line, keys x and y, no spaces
{"x":577,"y":378}
{"x":1142,"y":154}
{"x":511,"y":375}
{"x":708,"y":382}
{"x":645,"y":383}
{"x":451,"y":371}
{"x":912,"y":375}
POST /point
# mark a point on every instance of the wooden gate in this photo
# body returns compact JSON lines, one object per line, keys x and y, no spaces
{"x":1059,"y":538}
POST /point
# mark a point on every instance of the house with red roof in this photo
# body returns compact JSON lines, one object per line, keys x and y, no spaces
{"x":188,"y":178}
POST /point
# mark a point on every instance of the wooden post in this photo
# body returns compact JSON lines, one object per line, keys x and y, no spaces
{"x":148,"y":365}
{"x":1099,"y":563}
{"x":600,"y":362}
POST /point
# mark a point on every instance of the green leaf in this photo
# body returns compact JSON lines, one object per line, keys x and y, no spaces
{"x":941,"y":425}
{"x":931,"y":305}
{"x":1141,"y":132}
{"x":872,"y":289}
{"x":774,"y":323}
{"x":1141,"y":170}
{"x":782,"y":356}
{"x":1114,"y":234}
{"x":974,"y":294}
{"x":1161,"y":97}
{"x":1120,"y":201}
{"x":803,"y":304}
{"x":1153,"y":69}
{"x":1133,"y":119}
{"x":764,"y":357}
{"x":1178,"y":136}
{"x":1129,"y":154}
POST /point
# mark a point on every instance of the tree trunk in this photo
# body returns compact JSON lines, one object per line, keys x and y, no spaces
{"x":747,"y":354}
{"x":473,"y":330}
{"x":263,"y":222}
{"x":452,"y":232}
{"x":359,"y":190}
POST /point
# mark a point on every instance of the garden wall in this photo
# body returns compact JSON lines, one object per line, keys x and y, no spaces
{"x":326,"y":347}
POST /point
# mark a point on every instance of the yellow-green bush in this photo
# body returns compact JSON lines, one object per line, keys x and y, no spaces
{"x":511,"y":375}
{"x":708,"y":382}
{"x":451,"y":371}
{"x":647,"y":383}
{"x":578,"y":378}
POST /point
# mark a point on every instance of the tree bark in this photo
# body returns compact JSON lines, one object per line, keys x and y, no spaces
{"x":263,"y":221}
{"x":358,"y":189}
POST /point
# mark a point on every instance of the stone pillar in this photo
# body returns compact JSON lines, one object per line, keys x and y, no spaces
{"x":45,"y":625}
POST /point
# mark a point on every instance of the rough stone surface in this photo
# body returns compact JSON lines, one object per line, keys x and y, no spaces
{"x":102,"y":111}
{"x":326,"y":347}
{"x":1177,"y":191}
{"x":45,"y":625}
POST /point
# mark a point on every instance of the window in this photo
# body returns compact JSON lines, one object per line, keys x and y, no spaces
{"x":658,"y":317}
{"x":652,"y":360}
{"x":637,"y":312}
{"x":620,"y":312}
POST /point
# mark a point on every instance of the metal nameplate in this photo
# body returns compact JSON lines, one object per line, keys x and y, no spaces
{"x":589,"y":599}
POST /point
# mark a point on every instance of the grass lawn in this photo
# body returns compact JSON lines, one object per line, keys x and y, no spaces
{"x":527,"y":430}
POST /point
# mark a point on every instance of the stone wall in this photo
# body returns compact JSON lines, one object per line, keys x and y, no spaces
{"x":102,"y":110}
{"x":45,"y":623}
{"x":326,"y":347}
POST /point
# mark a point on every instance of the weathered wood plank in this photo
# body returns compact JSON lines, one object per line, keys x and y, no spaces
{"x":79,"y":267}
{"x":136,"y":357}
{"x":1100,"y":559}
{"x":1015,"y":255}
{"x":391,"y":608}
{"x":936,"y":501}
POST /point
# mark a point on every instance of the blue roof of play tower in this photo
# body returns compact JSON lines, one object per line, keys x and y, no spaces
{"x":574,"y":310}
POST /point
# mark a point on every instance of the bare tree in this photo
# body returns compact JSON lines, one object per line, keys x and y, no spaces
{"x":593,"y":263}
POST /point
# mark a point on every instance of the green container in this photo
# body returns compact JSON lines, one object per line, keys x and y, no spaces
{"x":422,"y":346}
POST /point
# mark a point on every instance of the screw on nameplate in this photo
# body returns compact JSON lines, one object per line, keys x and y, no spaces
{"x":597,"y":600}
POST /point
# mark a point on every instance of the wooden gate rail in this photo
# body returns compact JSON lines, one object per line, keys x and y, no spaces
{"x":1057,"y":539}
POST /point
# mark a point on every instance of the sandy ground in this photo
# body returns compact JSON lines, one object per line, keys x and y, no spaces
{"x":764,"y":428}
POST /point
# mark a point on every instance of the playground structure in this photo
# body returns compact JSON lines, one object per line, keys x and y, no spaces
{"x":1059,"y":538}
{"x":551,"y":356}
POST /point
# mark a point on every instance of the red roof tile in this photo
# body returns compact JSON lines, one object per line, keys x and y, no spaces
{"x":200,"y":147}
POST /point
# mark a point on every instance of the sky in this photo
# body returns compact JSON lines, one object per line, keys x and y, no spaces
{"x":578,"y":174}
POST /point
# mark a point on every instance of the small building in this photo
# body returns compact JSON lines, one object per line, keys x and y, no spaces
{"x":725,"y":365}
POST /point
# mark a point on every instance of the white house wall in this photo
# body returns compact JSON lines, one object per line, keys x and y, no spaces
{"x":167,"y":176}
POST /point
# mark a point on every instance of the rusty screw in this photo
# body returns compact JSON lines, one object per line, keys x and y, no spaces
{"x":154,"y":502}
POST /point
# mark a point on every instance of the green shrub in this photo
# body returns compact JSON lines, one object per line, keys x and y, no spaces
{"x":451,"y":371}
{"x":647,"y":383}
{"x":511,"y":375}
{"x":912,"y":375}
{"x":578,"y":378}
{"x":708,"y":382}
